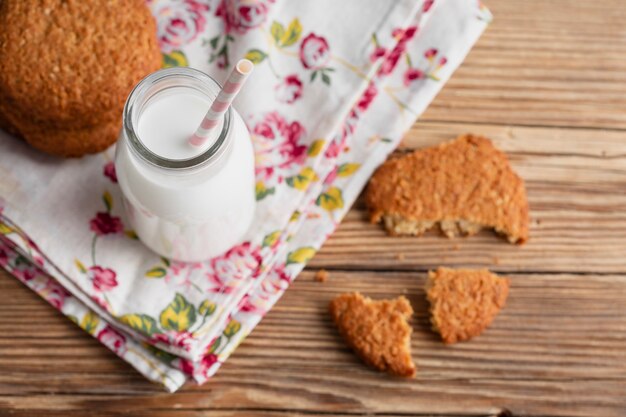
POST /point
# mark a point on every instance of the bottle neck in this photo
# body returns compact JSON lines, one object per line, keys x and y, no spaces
{"x":169,"y":81}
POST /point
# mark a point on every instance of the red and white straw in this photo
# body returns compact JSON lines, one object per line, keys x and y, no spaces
{"x":233,"y":84}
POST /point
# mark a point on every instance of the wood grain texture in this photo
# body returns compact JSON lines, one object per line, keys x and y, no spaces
{"x":556,"y":349}
{"x":547,"y":63}
{"x":547,"y":82}
{"x":576,"y":182}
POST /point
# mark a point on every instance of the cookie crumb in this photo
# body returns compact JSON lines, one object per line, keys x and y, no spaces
{"x":378,"y":331}
{"x":321,"y":275}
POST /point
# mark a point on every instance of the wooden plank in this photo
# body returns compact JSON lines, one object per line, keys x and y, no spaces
{"x":227,"y":413}
{"x":576,"y":181}
{"x":556,"y":349}
{"x":549,"y":63}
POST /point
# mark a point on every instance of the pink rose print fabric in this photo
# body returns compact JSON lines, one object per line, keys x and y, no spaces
{"x":104,"y":224}
{"x":412,"y":74}
{"x":368,"y":97}
{"x":4,"y":258}
{"x":179,"y":22}
{"x":237,"y":17}
{"x":241,"y":16}
{"x":404,"y":36}
{"x":202,"y":368}
{"x":278,"y":146}
{"x":180,"y":339}
{"x":314,"y":52}
{"x":326,"y":104}
{"x":55,"y":293}
{"x":289,"y":89}
{"x":377,"y":53}
{"x":109,"y":172}
{"x":113,"y":339}
{"x":241,"y":262}
{"x":104,"y":279}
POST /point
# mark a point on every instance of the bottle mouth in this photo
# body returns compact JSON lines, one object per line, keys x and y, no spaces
{"x":166,"y":80}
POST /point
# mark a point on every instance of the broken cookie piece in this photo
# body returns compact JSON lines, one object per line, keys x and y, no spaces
{"x":377,"y":331}
{"x":462,"y":186}
{"x":463,"y":302}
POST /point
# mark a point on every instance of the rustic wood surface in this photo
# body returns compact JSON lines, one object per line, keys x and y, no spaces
{"x":548,"y":83}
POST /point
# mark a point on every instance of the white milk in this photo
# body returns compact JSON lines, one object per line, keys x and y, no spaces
{"x":184,"y":203}
{"x":166,"y":124}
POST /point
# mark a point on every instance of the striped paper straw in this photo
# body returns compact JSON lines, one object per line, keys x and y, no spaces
{"x":223,"y":101}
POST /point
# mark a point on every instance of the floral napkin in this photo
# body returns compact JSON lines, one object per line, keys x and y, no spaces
{"x":330,"y":98}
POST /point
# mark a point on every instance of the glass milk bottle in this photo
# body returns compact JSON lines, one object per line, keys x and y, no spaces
{"x":184,"y":202}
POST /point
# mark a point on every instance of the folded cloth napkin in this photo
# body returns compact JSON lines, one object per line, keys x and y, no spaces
{"x":327,"y":103}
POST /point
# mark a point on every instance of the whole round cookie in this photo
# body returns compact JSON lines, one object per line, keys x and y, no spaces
{"x":73,"y":61}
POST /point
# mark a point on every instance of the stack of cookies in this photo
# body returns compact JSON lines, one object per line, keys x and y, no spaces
{"x":67,"y":66}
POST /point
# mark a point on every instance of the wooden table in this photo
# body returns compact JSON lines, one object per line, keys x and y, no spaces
{"x":548,"y":83}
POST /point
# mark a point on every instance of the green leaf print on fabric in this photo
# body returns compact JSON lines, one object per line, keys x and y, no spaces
{"x":271,"y":239}
{"x":141,"y":323}
{"x":256,"y":56}
{"x":232,"y":328}
{"x":206,"y":308}
{"x":179,"y":315}
{"x":300,"y":255}
{"x":156,"y":272}
{"x":108,"y":201}
{"x":286,"y":37}
{"x":277,"y":30}
{"x":80,"y":266}
{"x":215,"y":345}
{"x":89,"y":322}
{"x":302,"y":180}
{"x":262,"y":192}
{"x":164,"y":356}
{"x":295,"y":216}
{"x":175,"y":59}
{"x":131,"y":234}
{"x":292,"y":34}
{"x":345,"y":170}
{"x":5,"y":230}
{"x":315,"y":148}
{"x":330,"y":200}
